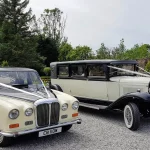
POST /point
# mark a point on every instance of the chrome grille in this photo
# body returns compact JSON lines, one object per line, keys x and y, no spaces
{"x":47,"y":114}
{"x":43,"y":115}
{"x":55,"y":107}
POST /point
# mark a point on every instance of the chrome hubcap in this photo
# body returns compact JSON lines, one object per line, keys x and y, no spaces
{"x":1,"y":138}
{"x":128,"y":116}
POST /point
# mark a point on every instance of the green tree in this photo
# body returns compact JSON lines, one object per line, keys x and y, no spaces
{"x":64,"y":51}
{"x":18,"y":43}
{"x":47,"y":48}
{"x":81,"y":53}
{"x":138,"y":52}
{"x":103,"y":52}
{"x":118,"y":52}
{"x":52,"y":24}
{"x":50,"y":28}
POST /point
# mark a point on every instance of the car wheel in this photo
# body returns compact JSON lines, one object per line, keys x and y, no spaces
{"x":66,"y":128}
{"x":132,"y":116}
{"x":5,"y":141}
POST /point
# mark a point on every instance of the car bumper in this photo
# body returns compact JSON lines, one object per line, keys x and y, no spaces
{"x":15,"y":134}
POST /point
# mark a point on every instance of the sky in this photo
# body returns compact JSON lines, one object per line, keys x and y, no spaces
{"x":92,"y":22}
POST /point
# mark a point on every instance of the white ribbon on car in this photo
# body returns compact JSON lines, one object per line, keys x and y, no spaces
{"x":10,"y":87}
{"x":134,"y":72}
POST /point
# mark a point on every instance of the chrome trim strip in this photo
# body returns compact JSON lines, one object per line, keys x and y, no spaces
{"x":45,"y":101}
{"x":15,"y":134}
{"x":49,"y":114}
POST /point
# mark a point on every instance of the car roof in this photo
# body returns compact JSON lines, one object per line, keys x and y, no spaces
{"x":15,"y":69}
{"x":105,"y":61}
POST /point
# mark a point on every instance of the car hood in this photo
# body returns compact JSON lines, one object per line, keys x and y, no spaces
{"x":131,"y":79}
{"x":11,"y":103}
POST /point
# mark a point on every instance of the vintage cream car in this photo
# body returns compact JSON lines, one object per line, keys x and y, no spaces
{"x":27,"y":106}
{"x":106,"y":84}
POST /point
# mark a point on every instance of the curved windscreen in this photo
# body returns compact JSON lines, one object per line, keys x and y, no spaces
{"x":25,"y":80}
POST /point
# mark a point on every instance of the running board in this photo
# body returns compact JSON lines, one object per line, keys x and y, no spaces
{"x":94,"y":106}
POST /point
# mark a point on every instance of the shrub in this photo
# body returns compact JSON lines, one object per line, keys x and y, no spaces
{"x":47,"y":70}
{"x":147,"y":67}
{"x":4,"y":63}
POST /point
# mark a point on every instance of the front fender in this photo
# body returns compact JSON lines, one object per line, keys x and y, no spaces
{"x":6,"y":105}
{"x":141,"y":99}
{"x":66,"y":98}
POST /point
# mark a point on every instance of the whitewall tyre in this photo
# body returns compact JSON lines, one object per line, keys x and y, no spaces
{"x":5,"y":141}
{"x":132,"y":116}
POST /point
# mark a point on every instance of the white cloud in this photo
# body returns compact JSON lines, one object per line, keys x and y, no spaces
{"x":93,"y":22}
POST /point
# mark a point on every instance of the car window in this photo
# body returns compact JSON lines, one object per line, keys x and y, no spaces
{"x":96,"y":71}
{"x":116,"y":72}
{"x":7,"y":77}
{"x":63,"y":71}
{"x":78,"y":70}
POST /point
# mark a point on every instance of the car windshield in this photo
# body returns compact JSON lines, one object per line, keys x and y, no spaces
{"x":26,"y":80}
{"x":116,"y":72}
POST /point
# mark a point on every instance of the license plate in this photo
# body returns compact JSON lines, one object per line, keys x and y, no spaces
{"x":50,"y":131}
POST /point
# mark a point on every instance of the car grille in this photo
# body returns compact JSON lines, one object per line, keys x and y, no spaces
{"x":47,"y":116}
{"x":55,"y":107}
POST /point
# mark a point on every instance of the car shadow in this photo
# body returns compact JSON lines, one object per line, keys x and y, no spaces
{"x":114,"y":117}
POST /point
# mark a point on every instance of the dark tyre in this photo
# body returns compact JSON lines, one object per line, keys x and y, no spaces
{"x":5,"y":141}
{"x":132,"y":116}
{"x":66,"y":128}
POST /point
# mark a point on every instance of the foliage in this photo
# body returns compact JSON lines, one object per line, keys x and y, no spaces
{"x":52,"y":25}
{"x":47,"y":70}
{"x":50,"y":28}
{"x":103,"y":52}
{"x":138,"y":52}
{"x":18,"y":44}
{"x":48,"y":49}
{"x":147,"y":67}
{"x":118,"y":52}
{"x":65,"y":51}
{"x":27,"y":42}
{"x":81,"y":53}
{"x":4,"y":64}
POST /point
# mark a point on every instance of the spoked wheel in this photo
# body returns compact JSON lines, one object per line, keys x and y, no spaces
{"x":132,"y":116}
{"x":4,"y":141}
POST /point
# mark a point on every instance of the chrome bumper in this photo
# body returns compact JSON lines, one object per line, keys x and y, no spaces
{"x":15,"y":134}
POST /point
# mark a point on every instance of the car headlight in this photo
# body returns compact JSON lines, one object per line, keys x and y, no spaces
{"x":13,"y":114}
{"x":64,"y":106}
{"x":75,"y":105}
{"x":29,"y":112}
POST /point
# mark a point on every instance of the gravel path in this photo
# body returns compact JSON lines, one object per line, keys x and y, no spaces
{"x":98,"y":131}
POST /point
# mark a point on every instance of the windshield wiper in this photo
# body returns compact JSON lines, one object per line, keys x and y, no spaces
{"x":20,"y":86}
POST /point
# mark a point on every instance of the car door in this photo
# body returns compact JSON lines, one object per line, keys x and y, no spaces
{"x":78,"y":80}
{"x":96,"y":85}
